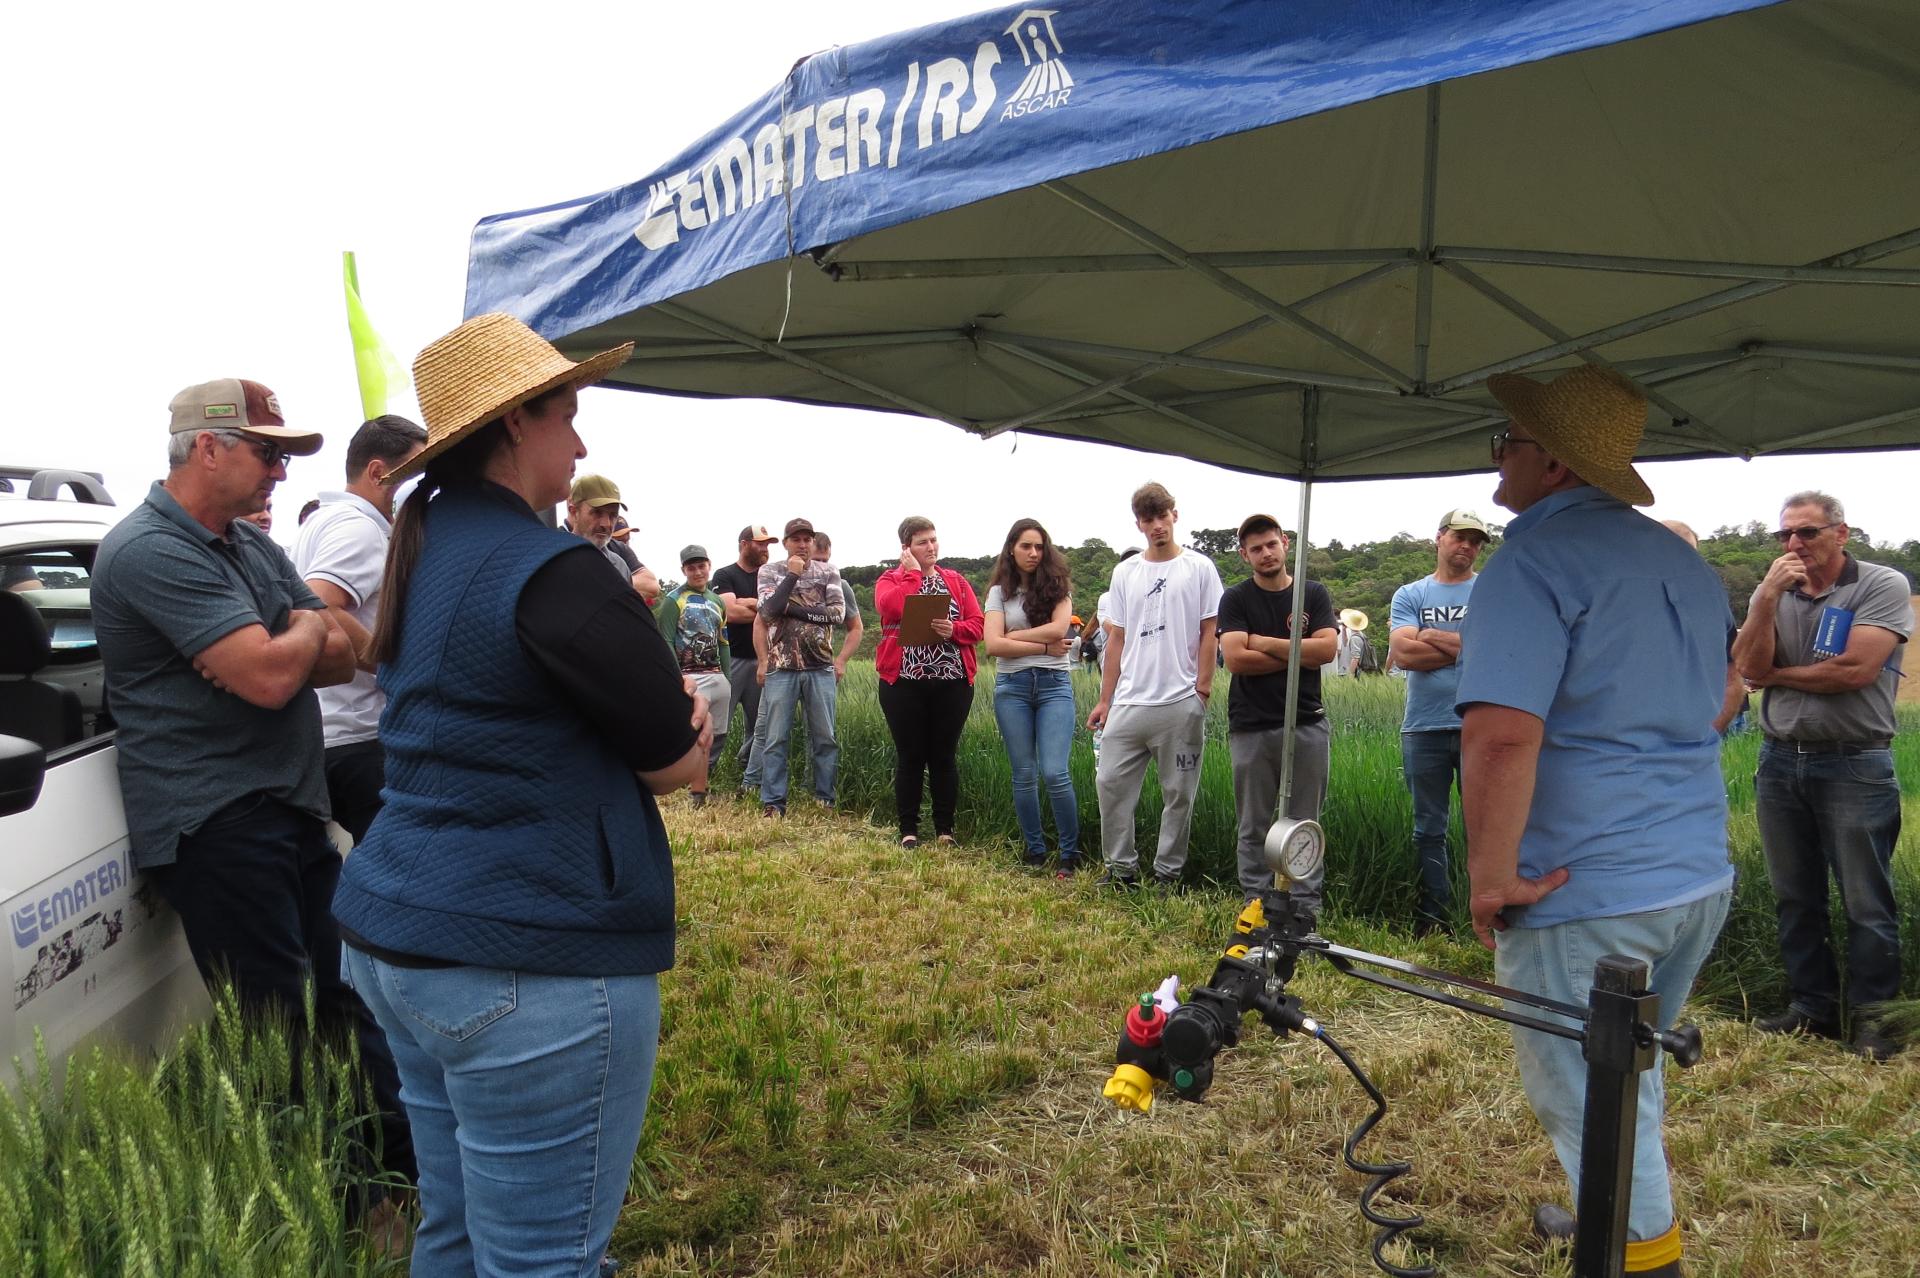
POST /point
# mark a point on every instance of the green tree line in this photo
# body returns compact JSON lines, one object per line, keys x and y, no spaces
{"x":1366,"y":574}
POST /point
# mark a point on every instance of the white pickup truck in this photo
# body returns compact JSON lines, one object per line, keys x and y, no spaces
{"x":91,"y":953}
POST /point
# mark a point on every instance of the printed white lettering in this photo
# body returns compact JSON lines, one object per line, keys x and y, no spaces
{"x":946,"y":81}
{"x":985,"y":59}
{"x":832,"y":134}
{"x":863,"y":129}
{"x":766,"y":162}
{"x":795,"y":128}
{"x":900,"y":113}
{"x":733,"y":167}
{"x":687,"y":200}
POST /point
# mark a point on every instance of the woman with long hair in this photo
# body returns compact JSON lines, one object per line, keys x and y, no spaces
{"x":926,"y":690}
{"x":508,"y":914}
{"x":1029,"y":609}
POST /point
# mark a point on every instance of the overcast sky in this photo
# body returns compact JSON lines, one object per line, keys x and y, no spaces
{"x":186,"y":176}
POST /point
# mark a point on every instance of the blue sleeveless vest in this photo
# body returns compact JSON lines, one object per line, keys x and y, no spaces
{"x":511,"y":836}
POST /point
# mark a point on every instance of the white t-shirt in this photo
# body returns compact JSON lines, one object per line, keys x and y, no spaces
{"x":345,"y":543}
{"x":1160,"y":607}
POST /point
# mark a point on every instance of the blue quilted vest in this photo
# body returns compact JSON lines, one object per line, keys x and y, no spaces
{"x":511,"y":836}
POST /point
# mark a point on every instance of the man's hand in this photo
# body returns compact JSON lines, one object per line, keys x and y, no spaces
{"x":796,"y":564}
{"x":760,"y":675}
{"x":839,"y":669}
{"x":702,"y":720}
{"x":942,"y":628}
{"x":1787,"y":574}
{"x":1489,"y":899}
{"x":1097,"y":717}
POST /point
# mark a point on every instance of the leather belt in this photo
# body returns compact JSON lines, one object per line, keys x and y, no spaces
{"x":1829,"y":747}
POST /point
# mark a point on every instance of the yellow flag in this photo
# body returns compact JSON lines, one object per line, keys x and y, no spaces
{"x":380,"y":373}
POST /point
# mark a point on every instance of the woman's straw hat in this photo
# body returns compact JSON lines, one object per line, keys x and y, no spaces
{"x":1591,"y":418}
{"x":1353,"y":619}
{"x":488,"y":365}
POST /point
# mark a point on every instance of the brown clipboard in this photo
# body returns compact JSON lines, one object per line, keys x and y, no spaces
{"x":917,"y":615}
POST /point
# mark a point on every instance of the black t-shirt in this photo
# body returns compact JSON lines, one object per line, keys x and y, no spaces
{"x":591,"y":634}
{"x":741,"y":584}
{"x":1259,"y":702}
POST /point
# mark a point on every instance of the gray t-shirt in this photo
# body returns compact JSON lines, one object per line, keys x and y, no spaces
{"x":1014,"y":612}
{"x":1876,"y":596}
{"x":164,"y":590}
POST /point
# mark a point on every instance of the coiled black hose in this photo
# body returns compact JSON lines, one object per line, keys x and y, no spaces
{"x":1389,"y":1227}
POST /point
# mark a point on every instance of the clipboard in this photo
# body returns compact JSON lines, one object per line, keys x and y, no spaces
{"x":917,"y":615}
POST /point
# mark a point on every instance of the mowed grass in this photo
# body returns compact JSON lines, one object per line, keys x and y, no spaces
{"x":879,"y":1062}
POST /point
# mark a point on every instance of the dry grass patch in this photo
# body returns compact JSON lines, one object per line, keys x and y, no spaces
{"x":885,"y":1062}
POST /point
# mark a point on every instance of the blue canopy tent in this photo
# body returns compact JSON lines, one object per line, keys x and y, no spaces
{"x":1293,"y":238}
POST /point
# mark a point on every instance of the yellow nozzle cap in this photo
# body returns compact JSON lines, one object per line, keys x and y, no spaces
{"x":1253,"y":916}
{"x":1130,"y":1088}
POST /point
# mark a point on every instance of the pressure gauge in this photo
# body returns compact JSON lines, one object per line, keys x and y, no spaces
{"x":1295,"y":849}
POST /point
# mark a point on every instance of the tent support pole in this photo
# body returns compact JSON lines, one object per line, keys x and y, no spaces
{"x":1674,"y":314}
{"x":1423,"y":296}
{"x":1698,"y":269}
{"x":1835,"y":432}
{"x":1205,"y":344}
{"x":1309,"y":462}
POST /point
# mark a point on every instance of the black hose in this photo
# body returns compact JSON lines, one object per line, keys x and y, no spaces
{"x":1389,"y":1227}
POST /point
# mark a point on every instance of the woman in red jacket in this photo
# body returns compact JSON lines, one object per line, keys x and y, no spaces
{"x":926,"y":690}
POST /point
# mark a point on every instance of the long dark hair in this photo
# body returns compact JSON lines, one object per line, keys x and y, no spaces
{"x":1049,"y":584}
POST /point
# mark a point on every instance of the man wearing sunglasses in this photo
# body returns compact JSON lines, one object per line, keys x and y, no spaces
{"x":1823,"y":639}
{"x":213,"y":646}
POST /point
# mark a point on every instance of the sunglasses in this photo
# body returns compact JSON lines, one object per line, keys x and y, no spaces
{"x":1505,"y":440}
{"x":1808,"y":533}
{"x":270,"y":455}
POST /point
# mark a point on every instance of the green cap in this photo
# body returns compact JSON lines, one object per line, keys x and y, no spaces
{"x":595,"y":490}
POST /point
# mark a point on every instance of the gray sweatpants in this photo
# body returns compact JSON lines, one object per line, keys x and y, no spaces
{"x":1256,"y":796}
{"x":1172,"y":735}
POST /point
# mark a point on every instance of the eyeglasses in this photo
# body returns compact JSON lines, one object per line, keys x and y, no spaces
{"x":1507,"y":439}
{"x":1808,"y":533}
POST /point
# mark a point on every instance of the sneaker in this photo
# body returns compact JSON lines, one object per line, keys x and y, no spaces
{"x":1035,"y":861}
{"x":1869,"y":1042}
{"x":1553,"y":1222}
{"x":909,"y":841}
{"x":700,"y":799}
{"x":773,"y":810}
{"x":1068,"y":867}
{"x":1167,"y":882}
{"x":1795,"y":1021}
{"x":1118,"y":880}
{"x":946,"y":840}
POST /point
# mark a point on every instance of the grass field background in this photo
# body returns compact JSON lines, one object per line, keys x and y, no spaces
{"x":878,"y":1062}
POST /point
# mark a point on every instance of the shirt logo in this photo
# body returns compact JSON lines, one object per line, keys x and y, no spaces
{"x":1430,"y":617}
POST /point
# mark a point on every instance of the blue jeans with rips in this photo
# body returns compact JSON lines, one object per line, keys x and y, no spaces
{"x":1557,"y":962}
{"x":526,"y":1093}
{"x":1430,"y":761}
{"x":1035,"y":711}
{"x":815,"y":692}
{"x":1838,"y":811}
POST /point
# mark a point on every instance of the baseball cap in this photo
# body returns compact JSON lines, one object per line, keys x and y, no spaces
{"x":798,"y":526}
{"x":690,"y":553}
{"x":595,"y":490}
{"x":1464,"y":521}
{"x":229,"y":403}
{"x":757,"y":532}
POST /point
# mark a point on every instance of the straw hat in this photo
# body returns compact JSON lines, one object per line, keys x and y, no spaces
{"x":1590,"y":417}
{"x":1353,"y":619}
{"x":488,"y":365}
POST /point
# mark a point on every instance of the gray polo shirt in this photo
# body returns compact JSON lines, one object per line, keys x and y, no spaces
{"x":164,"y":589}
{"x":1876,"y":596}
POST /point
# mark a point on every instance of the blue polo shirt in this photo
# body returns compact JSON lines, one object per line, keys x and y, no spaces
{"x":1432,"y":604}
{"x":1616,"y":634}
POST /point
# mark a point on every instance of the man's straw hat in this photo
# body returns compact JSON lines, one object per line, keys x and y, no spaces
{"x":1591,"y":418}
{"x":1353,"y":619}
{"x":488,"y":365}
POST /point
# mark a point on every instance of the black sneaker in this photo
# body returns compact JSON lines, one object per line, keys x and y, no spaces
{"x":1166,"y":882}
{"x":1068,"y":867}
{"x":1553,"y":1222}
{"x":1795,"y":1021}
{"x":1035,"y":861}
{"x":1118,"y":880}
{"x":1869,"y":1042}
{"x":773,"y":810}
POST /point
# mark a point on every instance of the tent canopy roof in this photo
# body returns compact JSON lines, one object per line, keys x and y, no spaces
{"x":1190,"y":229}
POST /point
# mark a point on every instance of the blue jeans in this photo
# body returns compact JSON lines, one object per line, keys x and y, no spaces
{"x":1843,"y":811}
{"x":1431,"y":763}
{"x":815,"y":692}
{"x":526,"y":1093}
{"x":1034,"y":709}
{"x":1557,"y":962}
